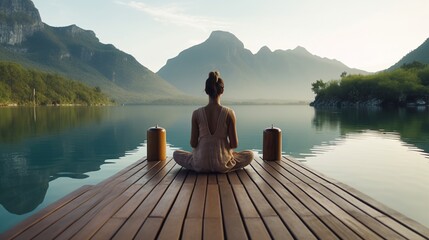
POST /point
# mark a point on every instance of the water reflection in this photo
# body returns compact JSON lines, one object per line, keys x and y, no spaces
{"x":412,"y":124}
{"x":64,"y":142}
{"x":383,"y":154}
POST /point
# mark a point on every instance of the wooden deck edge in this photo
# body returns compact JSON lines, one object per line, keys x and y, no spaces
{"x":407,"y":222}
{"x":43,"y":213}
{"x":123,"y":171}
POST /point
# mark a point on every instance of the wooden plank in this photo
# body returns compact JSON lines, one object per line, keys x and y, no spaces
{"x":192,"y":229}
{"x":233,"y":178}
{"x":193,"y":226}
{"x":317,"y":190}
{"x":87,"y":209}
{"x":85,"y":200}
{"x":273,"y":222}
{"x":233,"y":223}
{"x":276,"y":228}
{"x":257,"y":229}
{"x":163,"y":206}
{"x":131,"y":176}
{"x":343,"y":216}
{"x":312,"y":220}
{"x":213,"y":229}
{"x":133,"y":223}
{"x":150,"y":228}
{"x":136,"y":166}
{"x":99,"y":207}
{"x":261,"y":203}
{"x":44,"y":213}
{"x":196,"y":208}
{"x":298,"y":199}
{"x":175,"y":219}
{"x":299,"y":170}
{"x":159,"y":213}
{"x":44,"y":223}
{"x":213,"y":226}
{"x":151,"y":164}
{"x":247,"y":208}
{"x":154,"y":178}
{"x":297,"y":227}
{"x":108,"y":229}
{"x":222,"y":179}
{"x":212,"y":208}
{"x":212,"y":178}
{"x":254,"y":224}
{"x":406,"y":227}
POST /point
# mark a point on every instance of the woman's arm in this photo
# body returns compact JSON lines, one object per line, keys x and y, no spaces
{"x":195,"y":131}
{"x":232,"y":131}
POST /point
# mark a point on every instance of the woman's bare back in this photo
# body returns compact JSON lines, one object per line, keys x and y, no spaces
{"x":212,"y":114}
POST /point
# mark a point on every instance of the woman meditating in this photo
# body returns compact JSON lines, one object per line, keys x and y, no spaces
{"x":213,"y":136}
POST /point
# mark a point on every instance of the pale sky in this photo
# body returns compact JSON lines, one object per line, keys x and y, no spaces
{"x":370,"y":35}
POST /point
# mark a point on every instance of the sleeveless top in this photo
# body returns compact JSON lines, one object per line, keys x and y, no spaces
{"x":213,"y":152}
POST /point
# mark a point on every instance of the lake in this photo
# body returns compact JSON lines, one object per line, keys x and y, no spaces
{"x":48,"y":152}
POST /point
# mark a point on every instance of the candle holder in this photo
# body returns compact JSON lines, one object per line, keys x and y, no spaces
{"x":272,"y":144}
{"x":156,"y":144}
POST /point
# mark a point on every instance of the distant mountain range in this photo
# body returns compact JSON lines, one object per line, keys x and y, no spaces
{"x":420,"y":54}
{"x":280,"y":74}
{"x":77,"y":54}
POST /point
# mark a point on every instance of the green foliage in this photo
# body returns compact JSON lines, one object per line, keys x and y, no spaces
{"x":406,"y":84}
{"x":18,"y":85}
{"x":413,"y":65}
{"x":318,"y":86}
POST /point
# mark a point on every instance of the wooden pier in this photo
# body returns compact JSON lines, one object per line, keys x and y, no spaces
{"x":161,"y":200}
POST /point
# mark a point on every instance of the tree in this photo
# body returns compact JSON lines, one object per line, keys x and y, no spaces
{"x":415,"y":65}
{"x":318,"y":86}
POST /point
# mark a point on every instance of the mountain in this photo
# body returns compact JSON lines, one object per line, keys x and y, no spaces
{"x":77,"y":54}
{"x":420,"y":54}
{"x":280,"y":74}
{"x":18,"y":20}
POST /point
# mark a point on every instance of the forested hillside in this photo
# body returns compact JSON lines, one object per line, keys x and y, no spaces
{"x":408,"y":85}
{"x":20,"y":86}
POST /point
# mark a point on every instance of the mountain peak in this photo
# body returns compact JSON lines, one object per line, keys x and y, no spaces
{"x":20,"y":20}
{"x":18,"y":6}
{"x":75,"y":31}
{"x":224,"y":37}
{"x":264,"y":50}
{"x":301,"y":50}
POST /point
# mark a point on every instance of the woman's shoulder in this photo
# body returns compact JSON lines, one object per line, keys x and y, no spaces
{"x":228,"y":110}
{"x":196,"y":111}
{"x":230,"y":114}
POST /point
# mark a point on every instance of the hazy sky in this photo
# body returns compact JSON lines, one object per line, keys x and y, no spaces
{"x":367,"y":34}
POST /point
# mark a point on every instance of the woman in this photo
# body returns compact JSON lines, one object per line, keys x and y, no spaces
{"x":213,"y":135}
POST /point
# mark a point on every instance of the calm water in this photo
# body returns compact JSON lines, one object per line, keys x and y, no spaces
{"x":48,"y":152}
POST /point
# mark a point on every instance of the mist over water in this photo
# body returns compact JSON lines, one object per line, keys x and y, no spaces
{"x":45,"y":153}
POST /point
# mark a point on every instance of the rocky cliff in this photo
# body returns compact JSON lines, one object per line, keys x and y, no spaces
{"x":18,"y":20}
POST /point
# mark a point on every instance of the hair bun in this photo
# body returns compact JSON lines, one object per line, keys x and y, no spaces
{"x":214,"y":75}
{"x":214,"y":84}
